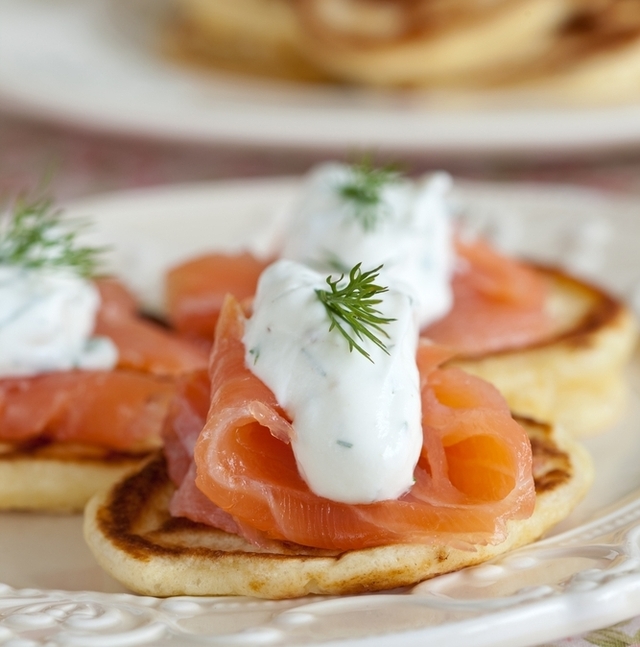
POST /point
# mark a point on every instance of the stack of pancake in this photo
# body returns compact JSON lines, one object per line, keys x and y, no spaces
{"x":587,"y":50}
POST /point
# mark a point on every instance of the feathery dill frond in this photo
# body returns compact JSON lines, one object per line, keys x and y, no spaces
{"x":352,"y":308}
{"x":34,"y":235}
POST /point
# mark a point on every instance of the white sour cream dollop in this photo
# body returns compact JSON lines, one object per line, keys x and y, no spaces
{"x":357,"y":423}
{"x":47,"y":317}
{"x":411,"y":238}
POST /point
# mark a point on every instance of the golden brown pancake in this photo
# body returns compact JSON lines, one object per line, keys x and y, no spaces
{"x":56,"y":477}
{"x":433,"y":45}
{"x":594,"y":56}
{"x":254,"y":37}
{"x":575,"y":377}
{"x":133,"y":537}
{"x":582,"y":50}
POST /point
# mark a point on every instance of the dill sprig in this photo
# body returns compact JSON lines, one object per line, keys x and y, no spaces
{"x":363,"y":191}
{"x":34,"y":235}
{"x":352,"y":310}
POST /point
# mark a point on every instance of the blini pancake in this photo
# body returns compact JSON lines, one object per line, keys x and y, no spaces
{"x":129,"y":530}
{"x":575,"y":377}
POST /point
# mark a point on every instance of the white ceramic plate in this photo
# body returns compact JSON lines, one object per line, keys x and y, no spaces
{"x":585,"y":575}
{"x":95,"y":63}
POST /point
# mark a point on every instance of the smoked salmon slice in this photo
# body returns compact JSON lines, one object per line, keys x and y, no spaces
{"x":473,"y":475}
{"x":142,"y":344}
{"x":195,"y":290}
{"x":499,"y":303}
{"x":119,"y":410}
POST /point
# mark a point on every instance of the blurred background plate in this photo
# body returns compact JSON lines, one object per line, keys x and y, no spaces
{"x":98,"y":64}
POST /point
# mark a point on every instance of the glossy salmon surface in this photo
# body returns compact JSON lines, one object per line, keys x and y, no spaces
{"x":195,"y":290}
{"x":474,"y":471}
{"x":499,"y":303}
{"x":120,"y":409}
{"x":142,"y":344}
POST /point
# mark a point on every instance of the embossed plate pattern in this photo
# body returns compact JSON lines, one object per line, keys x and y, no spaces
{"x":586,"y":574}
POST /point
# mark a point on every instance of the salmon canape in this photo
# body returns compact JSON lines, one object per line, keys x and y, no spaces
{"x":554,"y":345}
{"x":85,"y":381}
{"x":328,"y":449}
{"x":228,"y":509}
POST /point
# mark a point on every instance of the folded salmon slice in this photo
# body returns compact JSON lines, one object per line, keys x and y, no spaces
{"x":119,"y":410}
{"x":122,"y":409}
{"x":142,"y":344}
{"x":474,"y":471}
{"x":195,"y":290}
{"x":499,"y":303}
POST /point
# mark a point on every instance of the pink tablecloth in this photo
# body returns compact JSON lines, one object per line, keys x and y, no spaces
{"x":79,"y":164}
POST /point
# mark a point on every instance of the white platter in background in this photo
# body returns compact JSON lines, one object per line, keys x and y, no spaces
{"x":585,"y":575}
{"x":96,"y":64}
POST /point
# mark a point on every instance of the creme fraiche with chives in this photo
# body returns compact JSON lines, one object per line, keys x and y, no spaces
{"x":346,"y":375}
{"x":347,"y":215}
